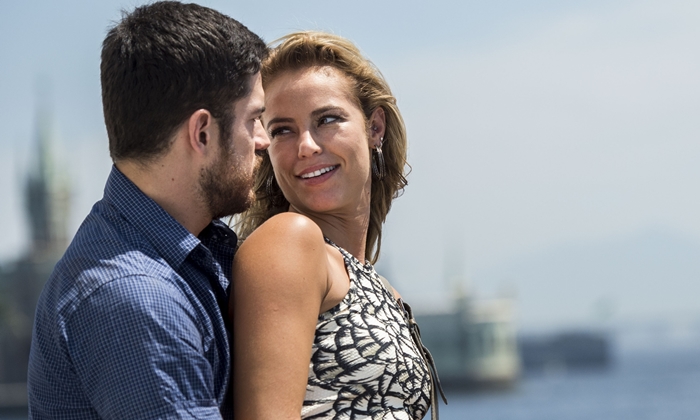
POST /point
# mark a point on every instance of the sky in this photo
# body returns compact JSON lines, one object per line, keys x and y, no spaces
{"x":553,"y":144}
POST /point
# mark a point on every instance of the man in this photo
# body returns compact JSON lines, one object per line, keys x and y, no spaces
{"x":131,"y":323}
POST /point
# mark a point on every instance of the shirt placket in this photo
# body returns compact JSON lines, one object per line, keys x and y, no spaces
{"x":204,"y":261}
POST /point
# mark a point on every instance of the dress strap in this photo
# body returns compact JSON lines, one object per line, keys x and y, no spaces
{"x":407,"y":313}
{"x":349,"y":258}
{"x":329,"y":242}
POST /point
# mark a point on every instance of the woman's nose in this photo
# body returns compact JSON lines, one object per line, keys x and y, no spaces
{"x":307,"y":145}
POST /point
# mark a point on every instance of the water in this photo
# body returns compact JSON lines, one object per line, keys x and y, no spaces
{"x":640,"y":386}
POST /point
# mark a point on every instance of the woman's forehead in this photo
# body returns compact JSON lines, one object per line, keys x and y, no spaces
{"x":313,"y":81}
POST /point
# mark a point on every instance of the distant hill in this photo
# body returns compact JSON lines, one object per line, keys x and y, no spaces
{"x":652,"y":275}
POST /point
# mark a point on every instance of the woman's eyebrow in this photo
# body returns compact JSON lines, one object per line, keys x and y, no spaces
{"x":279,"y":120}
{"x":314,"y":114}
{"x":325,"y":109}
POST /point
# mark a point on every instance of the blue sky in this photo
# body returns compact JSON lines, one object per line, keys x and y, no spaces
{"x":533,"y":126}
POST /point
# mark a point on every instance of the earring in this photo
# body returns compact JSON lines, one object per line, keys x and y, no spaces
{"x":378,"y":164}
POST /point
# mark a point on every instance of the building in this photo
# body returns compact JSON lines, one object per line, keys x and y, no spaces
{"x":47,"y":199}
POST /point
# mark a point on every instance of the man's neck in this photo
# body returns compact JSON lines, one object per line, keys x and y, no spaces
{"x":171,"y":186}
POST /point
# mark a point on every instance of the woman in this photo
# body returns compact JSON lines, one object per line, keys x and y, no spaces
{"x":301,"y":292}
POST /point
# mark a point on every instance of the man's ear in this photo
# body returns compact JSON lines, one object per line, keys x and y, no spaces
{"x":377,"y":126}
{"x":201,"y":131}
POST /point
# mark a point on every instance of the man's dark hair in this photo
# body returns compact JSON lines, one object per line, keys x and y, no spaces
{"x":163,"y":62}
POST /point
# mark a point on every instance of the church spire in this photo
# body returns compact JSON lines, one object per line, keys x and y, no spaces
{"x":47,"y":191}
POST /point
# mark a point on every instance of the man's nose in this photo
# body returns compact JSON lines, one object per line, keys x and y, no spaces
{"x":262,"y":141}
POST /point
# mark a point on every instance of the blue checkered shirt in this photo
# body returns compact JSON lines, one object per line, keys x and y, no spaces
{"x":130,"y":324}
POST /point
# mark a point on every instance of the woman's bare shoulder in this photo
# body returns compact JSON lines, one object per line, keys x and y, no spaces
{"x":287,"y":246}
{"x":285,"y":229}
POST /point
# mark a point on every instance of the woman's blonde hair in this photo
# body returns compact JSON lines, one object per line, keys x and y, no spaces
{"x":309,"y":49}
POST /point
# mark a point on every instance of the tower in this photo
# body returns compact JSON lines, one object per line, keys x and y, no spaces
{"x":47,"y":193}
{"x":46,"y":199}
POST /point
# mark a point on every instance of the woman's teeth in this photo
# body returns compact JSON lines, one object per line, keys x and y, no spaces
{"x":319,"y":172}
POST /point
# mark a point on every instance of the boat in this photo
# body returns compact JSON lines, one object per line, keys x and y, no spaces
{"x":474,"y":343}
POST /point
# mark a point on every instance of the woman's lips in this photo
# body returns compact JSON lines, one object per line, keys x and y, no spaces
{"x":318,"y":172}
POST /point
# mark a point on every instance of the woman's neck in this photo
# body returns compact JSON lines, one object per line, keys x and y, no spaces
{"x":348,"y":232}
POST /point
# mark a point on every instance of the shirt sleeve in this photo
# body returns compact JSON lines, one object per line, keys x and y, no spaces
{"x":137,"y":347}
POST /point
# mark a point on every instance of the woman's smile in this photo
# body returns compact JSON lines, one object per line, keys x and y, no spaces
{"x":317,"y":173}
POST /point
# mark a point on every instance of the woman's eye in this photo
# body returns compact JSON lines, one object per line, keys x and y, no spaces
{"x":277,"y":131}
{"x":327,"y":119}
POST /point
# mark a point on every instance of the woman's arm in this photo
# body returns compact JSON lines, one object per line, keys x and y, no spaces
{"x":280,"y":278}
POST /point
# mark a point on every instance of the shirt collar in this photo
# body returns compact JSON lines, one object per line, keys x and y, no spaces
{"x":222,"y":242}
{"x":169,"y":238}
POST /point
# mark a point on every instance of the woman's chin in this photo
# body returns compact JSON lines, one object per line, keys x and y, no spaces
{"x":320,"y":206}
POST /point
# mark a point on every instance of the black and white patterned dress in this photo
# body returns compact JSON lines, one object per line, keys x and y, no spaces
{"x":364,"y":364}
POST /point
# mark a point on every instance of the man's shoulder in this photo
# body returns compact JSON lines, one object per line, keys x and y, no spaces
{"x":107,"y":244}
{"x":105,"y":248}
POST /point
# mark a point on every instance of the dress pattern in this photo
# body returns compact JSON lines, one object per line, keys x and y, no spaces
{"x":364,"y":363}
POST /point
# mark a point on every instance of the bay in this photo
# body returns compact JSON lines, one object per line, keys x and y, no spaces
{"x":641,"y":385}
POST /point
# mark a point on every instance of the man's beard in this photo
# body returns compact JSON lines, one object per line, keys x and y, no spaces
{"x":225,"y":187}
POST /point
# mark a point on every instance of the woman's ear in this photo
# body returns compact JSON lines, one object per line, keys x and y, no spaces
{"x":377,"y":126}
